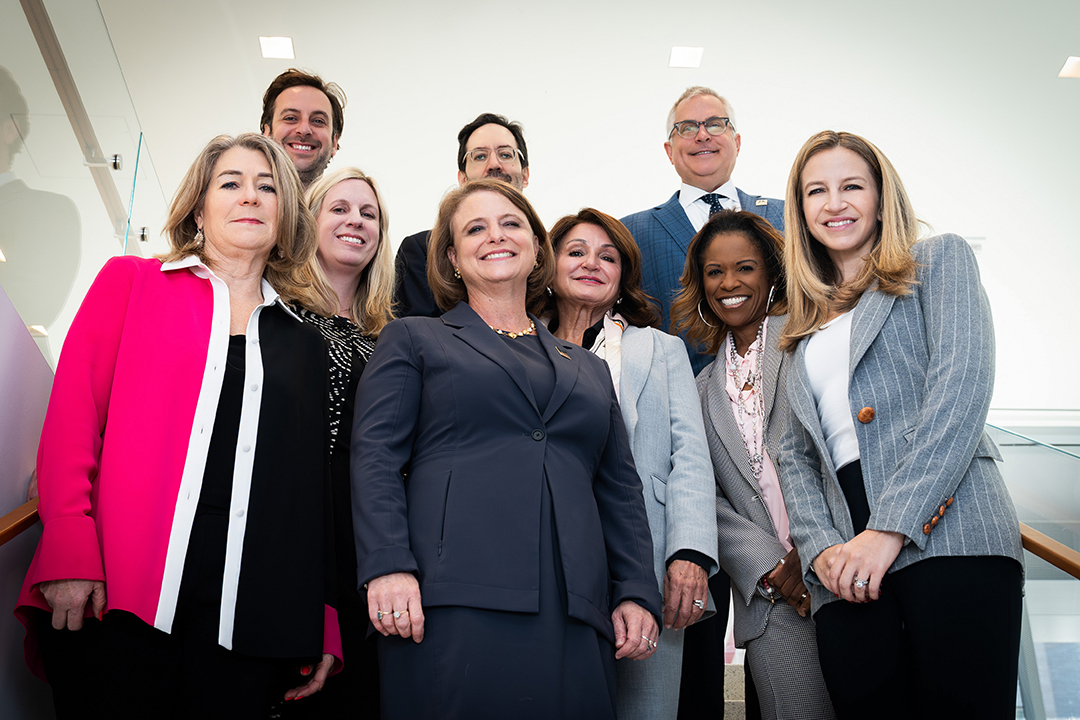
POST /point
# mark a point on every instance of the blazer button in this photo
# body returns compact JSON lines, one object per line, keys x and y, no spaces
{"x":866,"y":415}
{"x":934,"y":520}
{"x":949,"y":502}
{"x":926,"y":529}
{"x":941,"y":511}
{"x":538,"y":435}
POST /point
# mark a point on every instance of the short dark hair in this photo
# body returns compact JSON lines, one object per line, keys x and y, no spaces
{"x":639,"y":309}
{"x":482,"y":119}
{"x":292,"y":78}
{"x":13,"y":107}
{"x":705,"y":328}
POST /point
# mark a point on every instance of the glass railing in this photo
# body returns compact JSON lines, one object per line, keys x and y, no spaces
{"x":1044,"y":481}
{"x":66,"y":206}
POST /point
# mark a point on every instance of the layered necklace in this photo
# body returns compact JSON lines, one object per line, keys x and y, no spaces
{"x":745,"y":371}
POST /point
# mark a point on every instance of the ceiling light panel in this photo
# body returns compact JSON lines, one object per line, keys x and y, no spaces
{"x":686,"y":57}
{"x":1071,"y":68}
{"x":277,"y":47}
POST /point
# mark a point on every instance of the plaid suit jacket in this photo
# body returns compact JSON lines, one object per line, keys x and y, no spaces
{"x":664,"y":233}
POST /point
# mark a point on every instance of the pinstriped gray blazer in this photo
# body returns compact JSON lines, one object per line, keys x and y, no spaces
{"x":925,"y":363}
{"x":748,"y":545}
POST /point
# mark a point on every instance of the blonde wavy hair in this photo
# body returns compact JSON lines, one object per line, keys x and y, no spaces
{"x":295,"y":244}
{"x":813,"y":282}
{"x":372,"y":305}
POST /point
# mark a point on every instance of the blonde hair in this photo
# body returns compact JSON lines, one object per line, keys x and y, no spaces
{"x":813,"y":281}
{"x":295,"y":243}
{"x":371,"y":306}
{"x":447,"y":289}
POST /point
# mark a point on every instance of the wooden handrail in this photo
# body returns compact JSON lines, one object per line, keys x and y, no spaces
{"x":18,"y":520}
{"x":1057,"y":554}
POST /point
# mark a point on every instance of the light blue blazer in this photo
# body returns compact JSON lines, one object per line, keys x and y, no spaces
{"x":925,"y":363}
{"x":667,"y":438}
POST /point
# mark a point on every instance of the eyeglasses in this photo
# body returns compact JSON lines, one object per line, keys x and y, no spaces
{"x":504,"y":155}
{"x":713,"y":126}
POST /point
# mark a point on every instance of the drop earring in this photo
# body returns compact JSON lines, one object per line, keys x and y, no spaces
{"x":702,"y":316}
{"x":199,"y":237}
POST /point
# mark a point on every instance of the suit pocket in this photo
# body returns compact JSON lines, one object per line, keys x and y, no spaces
{"x":659,"y":488}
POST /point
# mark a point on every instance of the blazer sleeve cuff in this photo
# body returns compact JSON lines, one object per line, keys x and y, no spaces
{"x":332,"y":638}
{"x":644,"y":592}
{"x":68,"y":550}
{"x":385,"y":561}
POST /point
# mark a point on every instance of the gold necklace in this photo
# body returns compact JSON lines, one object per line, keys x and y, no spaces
{"x":527,"y":331}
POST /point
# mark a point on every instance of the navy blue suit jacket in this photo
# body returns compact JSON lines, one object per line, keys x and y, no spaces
{"x":412,"y":295}
{"x":449,"y":458}
{"x":664,"y":234}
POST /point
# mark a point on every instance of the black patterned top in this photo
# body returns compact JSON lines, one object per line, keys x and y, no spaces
{"x":349,"y":352}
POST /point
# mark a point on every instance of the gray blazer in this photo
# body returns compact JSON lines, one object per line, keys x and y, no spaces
{"x":667,"y":439}
{"x":925,"y":363}
{"x":748,"y":544}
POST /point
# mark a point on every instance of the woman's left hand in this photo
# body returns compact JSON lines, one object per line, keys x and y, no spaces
{"x":318,"y":674}
{"x":866,"y":557}
{"x":787,"y":579}
{"x":684,"y":584}
{"x":636,"y":633}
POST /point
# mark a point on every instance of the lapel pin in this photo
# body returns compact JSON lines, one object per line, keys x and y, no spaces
{"x":560,"y":351}
{"x":761,"y":201}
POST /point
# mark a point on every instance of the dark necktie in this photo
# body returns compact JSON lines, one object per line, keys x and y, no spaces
{"x":714,"y":201}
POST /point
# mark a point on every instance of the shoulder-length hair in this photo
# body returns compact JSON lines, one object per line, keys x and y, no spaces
{"x":635,"y":305}
{"x":295,"y":243}
{"x":813,"y":280}
{"x":447,"y":289}
{"x":372,"y":303}
{"x":690,"y":312}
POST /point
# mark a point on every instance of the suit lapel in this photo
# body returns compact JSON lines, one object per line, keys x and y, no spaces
{"x":637,"y":349}
{"x":773,"y":356}
{"x":723,"y":419}
{"x":565,"y":357}
{"x":672,"y":218}
{"x":870,"y":314}
{"x":475,"y":332}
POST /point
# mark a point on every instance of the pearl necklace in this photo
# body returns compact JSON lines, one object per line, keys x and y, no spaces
{"x":527,"y":331}
{"x":755,"y":409}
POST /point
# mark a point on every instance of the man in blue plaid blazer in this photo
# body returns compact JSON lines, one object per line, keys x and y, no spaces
{"x":703,"y":145}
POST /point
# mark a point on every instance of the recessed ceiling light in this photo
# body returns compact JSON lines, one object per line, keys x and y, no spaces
{"x":686,"y":57}
{"x":277,"y":47}
{"x":38,"y":330}
{"x":2,"y":258}
{"x":1071,"y":68}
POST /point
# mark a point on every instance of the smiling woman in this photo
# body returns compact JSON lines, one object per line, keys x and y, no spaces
{"x":499,"y":528}
{"x":172,"y":546}
{"x":353,"y":273}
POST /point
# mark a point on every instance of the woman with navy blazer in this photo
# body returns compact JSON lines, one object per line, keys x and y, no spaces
{"x":908,"y":537}
{"x":499,"y":519}
{"x":596,"y":302}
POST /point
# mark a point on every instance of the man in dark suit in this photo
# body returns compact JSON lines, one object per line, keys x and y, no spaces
{"x":703,"y":145}
{"x":305,"y":114}
{"x":489,"y":146}
{"x":40,"y":232}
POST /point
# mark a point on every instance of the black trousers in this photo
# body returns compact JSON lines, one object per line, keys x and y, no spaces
{"x":943,"y":640}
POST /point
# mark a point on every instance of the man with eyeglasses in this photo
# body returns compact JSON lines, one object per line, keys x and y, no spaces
{"x":488,"y":147}
{"x":702,"y":144}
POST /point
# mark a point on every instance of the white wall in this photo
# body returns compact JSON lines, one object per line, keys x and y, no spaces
{"x":962,"y":96}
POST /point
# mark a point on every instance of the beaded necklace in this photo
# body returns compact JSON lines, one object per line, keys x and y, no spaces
{"x":745,"y":371}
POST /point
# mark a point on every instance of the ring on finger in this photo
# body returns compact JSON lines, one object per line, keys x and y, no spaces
{"x":699,"y":604}
{"x":861,"y":583}
{"x":399,"y":613}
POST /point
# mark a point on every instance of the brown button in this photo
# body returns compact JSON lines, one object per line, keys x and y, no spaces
{"x":926,"y":529}
{"x":949,"y":502}
{"x":941,"y":511}
{"x":934,"y":520}
{"x":866,"y":414}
